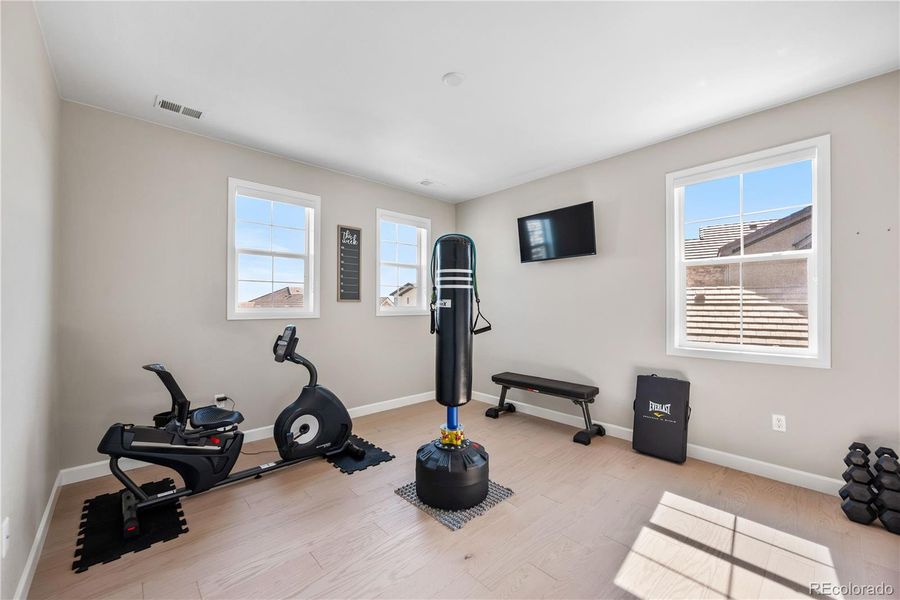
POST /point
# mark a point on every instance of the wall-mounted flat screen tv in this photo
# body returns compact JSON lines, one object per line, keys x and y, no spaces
{"x":560,"y":233}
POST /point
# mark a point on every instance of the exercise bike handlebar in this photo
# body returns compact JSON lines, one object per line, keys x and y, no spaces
{"x":284,"y":350}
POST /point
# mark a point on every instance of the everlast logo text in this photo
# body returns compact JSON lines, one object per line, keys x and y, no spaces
{"x":661,"y":408}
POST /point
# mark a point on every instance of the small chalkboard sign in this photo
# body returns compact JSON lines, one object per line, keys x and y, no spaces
{"x":349,"y":245}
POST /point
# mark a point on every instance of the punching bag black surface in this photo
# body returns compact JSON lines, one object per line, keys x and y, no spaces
{"x":453,"y":319}
{"x":452,"y":471}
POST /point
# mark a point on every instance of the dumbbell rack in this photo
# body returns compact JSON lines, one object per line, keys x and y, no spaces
{"x":867,"y":495}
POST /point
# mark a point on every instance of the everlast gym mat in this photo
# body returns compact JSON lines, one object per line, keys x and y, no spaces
{"x":661,"y":414}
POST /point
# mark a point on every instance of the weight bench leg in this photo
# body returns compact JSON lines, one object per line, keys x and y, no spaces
{"x":503,"y":406}
{"x":590,"y":429}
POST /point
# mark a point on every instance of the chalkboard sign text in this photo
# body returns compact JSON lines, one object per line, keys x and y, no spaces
{"x":349,"y":246}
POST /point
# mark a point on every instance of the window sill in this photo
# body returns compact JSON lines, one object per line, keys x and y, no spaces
{"x":791,"y":360}
{"x":419,"y":312}
{"x":283,"y":314}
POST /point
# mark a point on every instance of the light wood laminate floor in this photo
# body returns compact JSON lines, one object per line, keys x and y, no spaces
{"x":586,"y":522}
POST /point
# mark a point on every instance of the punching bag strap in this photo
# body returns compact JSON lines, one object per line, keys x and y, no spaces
{"x":433,"y":289}
{"x":477,"y":330}
{"x":433,"y":328}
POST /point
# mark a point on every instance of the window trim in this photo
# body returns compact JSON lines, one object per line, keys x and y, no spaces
{"x":314,"y":246}
{"x":818,"y":279}
{"x":422,"y":267}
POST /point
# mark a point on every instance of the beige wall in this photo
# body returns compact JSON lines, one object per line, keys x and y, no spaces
{"x":30,"y":137}
{"x":611,"y":323}
{"x":142,"y":279}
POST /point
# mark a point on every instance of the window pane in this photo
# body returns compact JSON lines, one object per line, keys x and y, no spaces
{"x":389,"y":276}
{"x":715,"y":199}
{"x":712,"y":304}
{"x":287,"y":295}
{"x":251,"y":266}
{"x":408,"y":275}
{"x":288,"y":240}
{"x":253,"y":209}
{"x":775,"y":300}
{"x":407,"y":234}
{"x":252,"y":236}
{"x":771,"y":309}
{"x":253,"y":294}
{"x":388,"y":252}
{"x":786,"y":185}
{"x":288,"y":215}
{"x":407,"y":254}
{"x":407,"y":296}
{"x":780,"y":232}
{"x":388,"y":231}
{"x":719,"y":237}
{"x":387,"y":296}
{"x":289,"y":269}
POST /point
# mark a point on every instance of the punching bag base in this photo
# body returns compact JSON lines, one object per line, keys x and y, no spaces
{"x":452,"y":477}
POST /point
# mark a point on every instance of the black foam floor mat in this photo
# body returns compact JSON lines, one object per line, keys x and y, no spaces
{"x":100,"y":534}
{"x":348,"y":464}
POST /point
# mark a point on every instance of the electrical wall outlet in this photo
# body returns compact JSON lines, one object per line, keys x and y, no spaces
{"x":779,"y":423}
{"x":6,"y":534}
{"x":220,"y":400}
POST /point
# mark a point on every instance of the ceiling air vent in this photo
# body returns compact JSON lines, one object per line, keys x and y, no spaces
{"x":167,"y":105}
{"x":191,"y":112}
{"x":177,"y":108}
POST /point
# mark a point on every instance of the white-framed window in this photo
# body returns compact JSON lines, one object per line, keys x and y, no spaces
{"x":273,"y":252}
{"x":748,"y":276}
{"x":402,"y":247}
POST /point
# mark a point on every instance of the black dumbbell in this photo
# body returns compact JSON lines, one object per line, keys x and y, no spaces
{"x":857,"y":491}
{"x":885,"y":451}
{"x":858,"y":474}
{"x":885,"y":480}
{"x":856,"y":459}
{"x":887,"y":463}
{"x":859,"y":512}
{"x":891,"y":520}
{"x":859,"y":447}
{"x":887,"y":500}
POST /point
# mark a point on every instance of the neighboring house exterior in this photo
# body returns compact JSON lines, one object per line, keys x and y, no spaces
{"x":714,"y":237}
{"x":405,"y":295}
{"x":793,"y":232}
{"x":286,"y":297}
{"x":774,"y":298}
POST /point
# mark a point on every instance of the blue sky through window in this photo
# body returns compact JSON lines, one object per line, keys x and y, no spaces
{"x":269,"y":226}
{"x":768,"y":194}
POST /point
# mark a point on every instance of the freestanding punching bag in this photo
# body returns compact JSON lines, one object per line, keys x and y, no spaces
{"x":452,"y":471}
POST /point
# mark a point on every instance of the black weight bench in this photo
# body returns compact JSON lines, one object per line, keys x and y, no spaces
{"x":581,"y":395}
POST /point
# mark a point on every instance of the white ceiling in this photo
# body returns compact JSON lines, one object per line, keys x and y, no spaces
{"x":357,"y":87}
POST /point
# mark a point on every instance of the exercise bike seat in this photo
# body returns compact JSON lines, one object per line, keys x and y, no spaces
{"x":213,"y":417}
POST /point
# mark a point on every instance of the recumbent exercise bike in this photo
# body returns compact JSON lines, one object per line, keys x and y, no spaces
{"x":315,"y":424}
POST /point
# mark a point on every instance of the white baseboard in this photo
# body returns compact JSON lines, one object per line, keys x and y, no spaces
{"x":376,"y":407}
{"x":556,"y":416}
{"x":37,"y":545}
{"x":812,"y":481}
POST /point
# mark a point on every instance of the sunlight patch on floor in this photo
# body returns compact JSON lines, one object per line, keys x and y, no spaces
{"x":691,"y":550}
